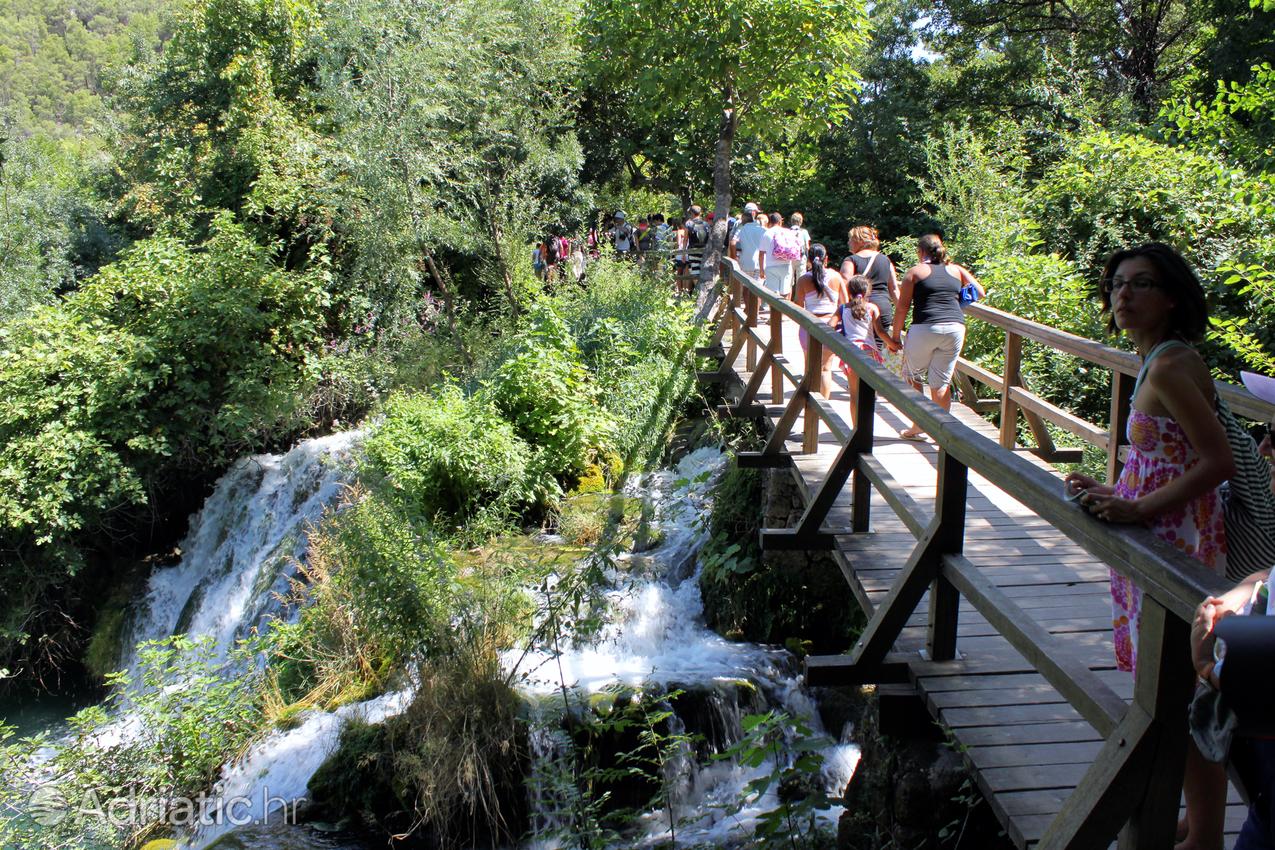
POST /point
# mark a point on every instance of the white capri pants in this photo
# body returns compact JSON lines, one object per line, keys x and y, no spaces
{"x":931,"y":351}
{"x":779,"y":278}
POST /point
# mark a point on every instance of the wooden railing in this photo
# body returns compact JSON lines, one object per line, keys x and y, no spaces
{"x":1139,"y":767}
{"x":1015,"y":398}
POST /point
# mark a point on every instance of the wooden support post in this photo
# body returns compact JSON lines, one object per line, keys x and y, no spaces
{"x":776,"y":347}
{"x":754,"y":384}
{"x":1121,"y":401}
{"x":722,"y":318}
{"x":865,"y":417}
{"x":808,"y":533}
{"x":813,"y":383}
{"x":1094,"y":811}
{"x":733,"y":288}
{"x":750,"y":311}
{"x":1013,"y":375}
{"x":1162,"y":688}
{"x":1140,"y":765}
{"x":1044,"y":442}
{"x":969,"y":396}
{"x":944,"y":599}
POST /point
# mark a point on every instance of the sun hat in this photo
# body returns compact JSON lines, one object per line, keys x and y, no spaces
{"x":1262,"y":386}
{"x":751,"y":207}
{"x":619,"y":215}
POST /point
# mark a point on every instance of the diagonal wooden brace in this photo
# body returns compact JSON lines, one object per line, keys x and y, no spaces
{"x":808,"y":533}
{"x":892,"y":614}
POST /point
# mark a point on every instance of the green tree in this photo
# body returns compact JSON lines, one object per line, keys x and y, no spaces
{"x":754,"y":69}
{"x":224,"y":120}
{"x":58,"y":60}
{"x":455,"y":126}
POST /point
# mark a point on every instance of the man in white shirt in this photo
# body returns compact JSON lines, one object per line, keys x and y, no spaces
{"x":778,"y":271}
{"x":746,"y":244}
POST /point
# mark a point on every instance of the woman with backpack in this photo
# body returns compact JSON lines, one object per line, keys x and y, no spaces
{"x":1179,"y":454}
{"x":780,"y":246}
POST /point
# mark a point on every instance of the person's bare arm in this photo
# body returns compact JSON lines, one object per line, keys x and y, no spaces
{"x":894,"y":279}
{"x":1169,"y":379}
{"x":904,"y":303}
{"x":967,"y":277}
{"x":1207,"y":615}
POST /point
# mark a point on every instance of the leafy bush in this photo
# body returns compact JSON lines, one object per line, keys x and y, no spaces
{"x":170,"y":358}
{"x":1112,"y":191}
{"x":545,"y":391}
{"x":450,"y":456}
{"x":634,"y":336}
{"x":187,"y":716}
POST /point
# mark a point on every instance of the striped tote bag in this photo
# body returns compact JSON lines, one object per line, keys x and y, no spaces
{"x":1249,"y":503}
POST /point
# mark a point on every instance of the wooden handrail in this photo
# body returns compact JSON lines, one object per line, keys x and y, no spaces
{"x":1145,"y":742}
{"x":1176,"y":580}
{"x":1240,"y":400}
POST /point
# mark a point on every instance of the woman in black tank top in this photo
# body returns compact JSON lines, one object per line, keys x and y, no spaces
{"x":932,"y":289}
{"x":868,"y":261}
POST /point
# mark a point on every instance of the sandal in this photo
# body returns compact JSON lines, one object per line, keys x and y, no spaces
{"x":914,"y":436}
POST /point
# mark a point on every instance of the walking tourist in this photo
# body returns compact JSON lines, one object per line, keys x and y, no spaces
{"x":779,"y":247}
{"x":822,"y":292}
{"x":931,"y":288}
{"x":861,"y":323}
{"x":697,"y":234}
{"x":623,"y":237}
{"x":746,"y":246}
{"x":866,"y":259}
{"x":796,"y":223}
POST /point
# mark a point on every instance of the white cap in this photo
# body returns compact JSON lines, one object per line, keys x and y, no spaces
{"x":619,"y":215}
{"x":751,"y":207}
{"x":1262,"y":386}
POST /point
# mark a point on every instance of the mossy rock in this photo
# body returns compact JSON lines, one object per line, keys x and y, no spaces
{"x":592,"y":480}
{"x":104,"y":652}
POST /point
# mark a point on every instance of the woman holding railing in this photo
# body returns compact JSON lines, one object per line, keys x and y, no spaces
{"x":1178,"y":455}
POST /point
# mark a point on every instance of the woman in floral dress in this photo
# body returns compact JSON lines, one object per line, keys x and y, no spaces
{"x":1178,"y":455}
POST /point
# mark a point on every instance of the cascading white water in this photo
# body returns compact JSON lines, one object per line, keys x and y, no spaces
{"x":242,"y":546}
{"x":268,"y":781}
{"x":655,"y":636}
{"x":236,"y":560}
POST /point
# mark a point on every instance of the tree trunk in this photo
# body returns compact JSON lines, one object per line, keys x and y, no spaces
{"x":721,"y":205}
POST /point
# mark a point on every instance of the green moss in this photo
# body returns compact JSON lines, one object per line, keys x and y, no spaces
{"x":592,"y":480}
{"x":105,"y":649}
{"x":797,"y":599}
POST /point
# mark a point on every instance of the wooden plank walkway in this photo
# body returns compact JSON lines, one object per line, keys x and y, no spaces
{"x":1026,"y":745}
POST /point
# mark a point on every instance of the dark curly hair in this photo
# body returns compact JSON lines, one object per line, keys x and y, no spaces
{"x":1189,"y":318}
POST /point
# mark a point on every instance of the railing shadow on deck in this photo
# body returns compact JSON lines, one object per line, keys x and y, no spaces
{"x":1132,"y":788}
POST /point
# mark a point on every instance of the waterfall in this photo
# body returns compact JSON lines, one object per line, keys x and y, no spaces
{"x":655,"y":637}
{"x":242,"y":546}
{"x":241,"y":552}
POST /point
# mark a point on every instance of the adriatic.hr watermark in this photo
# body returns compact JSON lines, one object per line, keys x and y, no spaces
{"x":51,"y":806}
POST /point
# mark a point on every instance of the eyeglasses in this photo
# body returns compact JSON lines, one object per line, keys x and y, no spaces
{"x":1138,"y":284}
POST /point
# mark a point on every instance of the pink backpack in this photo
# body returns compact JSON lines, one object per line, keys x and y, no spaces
{"x":787,"y":244}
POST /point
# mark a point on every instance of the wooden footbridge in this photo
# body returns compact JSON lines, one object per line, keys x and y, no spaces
{"x":984,"y":589}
